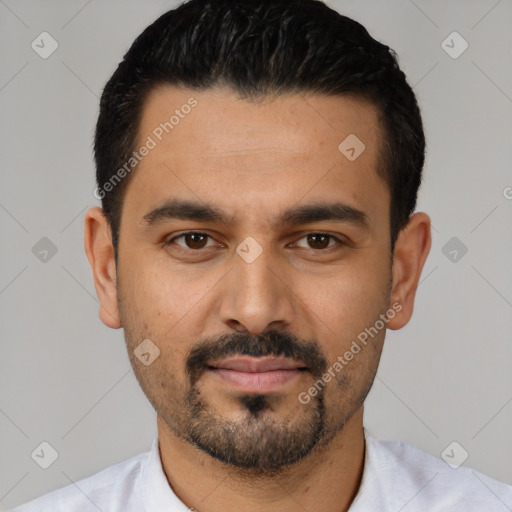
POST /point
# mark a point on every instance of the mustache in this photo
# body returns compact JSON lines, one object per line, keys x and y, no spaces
{"x":271,"y":343}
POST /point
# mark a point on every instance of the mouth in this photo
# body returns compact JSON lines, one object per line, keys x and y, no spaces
{"x":257,"y":375}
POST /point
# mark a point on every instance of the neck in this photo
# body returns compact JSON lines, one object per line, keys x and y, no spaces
{"x":326,"y":480}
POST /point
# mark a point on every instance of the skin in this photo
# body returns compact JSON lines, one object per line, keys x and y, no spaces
{"x":254,"y":160}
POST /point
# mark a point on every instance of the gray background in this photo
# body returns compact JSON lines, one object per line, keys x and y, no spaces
{"x":66,"y":378}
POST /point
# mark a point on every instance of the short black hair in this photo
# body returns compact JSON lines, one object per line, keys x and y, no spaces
{"x":259,"y":48}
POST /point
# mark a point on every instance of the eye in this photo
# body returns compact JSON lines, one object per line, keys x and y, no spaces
{"x":196,"y":241}
{"x":193,"y":240}
{"x":319,"y":241}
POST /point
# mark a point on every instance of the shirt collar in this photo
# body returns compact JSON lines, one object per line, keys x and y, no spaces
{"x":158,"y":494}
{"x":370,"y":495}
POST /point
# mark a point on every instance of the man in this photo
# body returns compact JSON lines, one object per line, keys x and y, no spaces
{"x":258,"y":165}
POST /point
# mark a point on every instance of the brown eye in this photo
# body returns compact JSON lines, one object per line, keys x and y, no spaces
{"x":193,"y":240}
{"x":319,"y":241}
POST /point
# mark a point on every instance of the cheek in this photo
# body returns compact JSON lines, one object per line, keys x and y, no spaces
{"x":345,"y":309}
{"x":161,"y":297}
{"x":162,"y":306}
{"x":349,"y":300}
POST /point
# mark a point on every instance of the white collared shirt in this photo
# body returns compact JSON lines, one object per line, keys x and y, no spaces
{"x":396,"y":477}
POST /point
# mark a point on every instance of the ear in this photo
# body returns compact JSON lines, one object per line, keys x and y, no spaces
{"x":411,"y":251}
{"x":100,"y":253}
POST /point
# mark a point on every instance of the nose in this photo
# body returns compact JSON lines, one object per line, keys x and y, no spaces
{"x":256,"y":295}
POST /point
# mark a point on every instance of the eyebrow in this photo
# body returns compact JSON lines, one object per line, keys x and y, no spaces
{"x":203,"y":212}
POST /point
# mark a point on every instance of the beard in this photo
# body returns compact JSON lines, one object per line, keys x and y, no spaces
{"x":258,"y":442}
{"x":264,"y":439}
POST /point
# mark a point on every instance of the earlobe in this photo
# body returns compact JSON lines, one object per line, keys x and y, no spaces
{"x":411,"y":251}
{"x":100,"y":253}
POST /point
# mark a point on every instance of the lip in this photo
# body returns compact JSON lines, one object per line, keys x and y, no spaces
{"x":257,"y":364}
{"x":256,"y":375}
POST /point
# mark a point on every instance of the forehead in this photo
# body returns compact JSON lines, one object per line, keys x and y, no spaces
{"x":251,"y":157}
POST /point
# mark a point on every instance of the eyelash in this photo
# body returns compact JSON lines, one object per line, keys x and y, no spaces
{"x":187,"y":249}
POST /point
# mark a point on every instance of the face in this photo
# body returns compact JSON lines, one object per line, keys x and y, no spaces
{"x":254,"y":254}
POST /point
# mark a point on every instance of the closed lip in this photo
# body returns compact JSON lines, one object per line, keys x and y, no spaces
{"x":257,"y":365}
